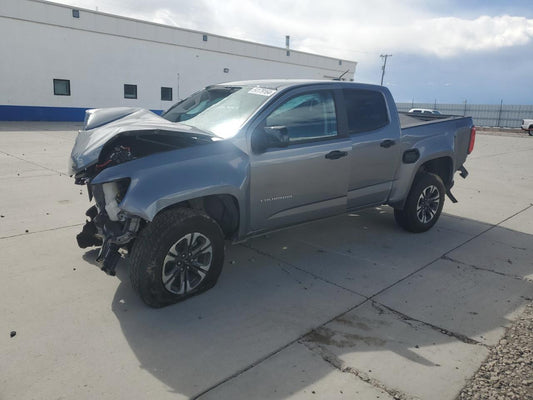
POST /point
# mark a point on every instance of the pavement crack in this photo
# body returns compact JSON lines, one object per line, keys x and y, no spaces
{"x":330,"y":358}
{"x":407,"y":318}
{"x":42,"y":230}
{"x":34,"y":163}
{"x":518,"y":277}
{"x":280,"y":261}
{"x":277,"y":351}
{"x":290,"y":274}
{"x":348,"y":253}
{"x":449,"y":252}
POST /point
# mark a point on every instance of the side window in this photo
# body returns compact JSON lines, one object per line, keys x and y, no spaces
{"x":306,"y":116}
{"x":366,"y":110}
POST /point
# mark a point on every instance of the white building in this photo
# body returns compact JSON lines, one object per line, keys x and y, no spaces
{"x":58,"y":61}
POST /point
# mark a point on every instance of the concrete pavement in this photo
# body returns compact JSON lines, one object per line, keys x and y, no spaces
{"x":348,"y":307}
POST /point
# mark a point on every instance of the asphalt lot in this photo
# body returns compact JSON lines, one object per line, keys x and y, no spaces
{"x":349,"y":307}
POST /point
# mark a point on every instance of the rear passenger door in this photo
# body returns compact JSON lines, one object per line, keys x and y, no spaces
{"x":308,"y":179}
{"x":375,"y":147}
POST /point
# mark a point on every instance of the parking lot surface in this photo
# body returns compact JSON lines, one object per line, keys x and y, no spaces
{"x":347,"y":307}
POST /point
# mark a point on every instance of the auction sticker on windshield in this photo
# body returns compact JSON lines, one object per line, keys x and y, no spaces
{"x":262,"y":91}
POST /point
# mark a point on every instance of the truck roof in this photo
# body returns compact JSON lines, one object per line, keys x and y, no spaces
{"x":286,"y":83}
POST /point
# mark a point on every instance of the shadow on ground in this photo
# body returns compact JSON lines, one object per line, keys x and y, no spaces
{"x":403,"y":296}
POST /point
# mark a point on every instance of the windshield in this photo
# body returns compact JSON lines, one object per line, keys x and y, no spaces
{"x":219,"y":110}
{"x":196,"y":103}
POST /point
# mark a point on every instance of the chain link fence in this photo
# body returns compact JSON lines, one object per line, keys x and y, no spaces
{"x":500,"y":115}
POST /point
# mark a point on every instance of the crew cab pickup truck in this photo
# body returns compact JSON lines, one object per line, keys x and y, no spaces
{"x":240,"y":159}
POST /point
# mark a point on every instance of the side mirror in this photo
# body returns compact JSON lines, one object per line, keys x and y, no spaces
{"x":270,"y":136}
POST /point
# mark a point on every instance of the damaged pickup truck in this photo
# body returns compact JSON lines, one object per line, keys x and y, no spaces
{"x":240,"y":159}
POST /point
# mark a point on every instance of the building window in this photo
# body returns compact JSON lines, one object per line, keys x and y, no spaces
{"x":130,"y":91}
{"x":166,"y":93}
{"x":75,"y":13}
{"x":61,"y":87}
{"x":205,"y":38}
{"x":226,"y":70}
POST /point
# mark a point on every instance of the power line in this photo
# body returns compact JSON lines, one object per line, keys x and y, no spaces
{"x":384,"y":56}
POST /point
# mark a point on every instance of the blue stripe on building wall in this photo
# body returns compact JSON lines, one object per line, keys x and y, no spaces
{"x":36,"y":113}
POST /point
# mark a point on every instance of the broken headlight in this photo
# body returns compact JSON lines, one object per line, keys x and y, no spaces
{"x":109,"y":195}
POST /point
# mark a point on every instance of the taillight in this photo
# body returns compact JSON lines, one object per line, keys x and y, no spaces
{"x":472,"y":139}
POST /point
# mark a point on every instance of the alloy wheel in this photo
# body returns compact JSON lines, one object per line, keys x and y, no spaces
{"x":187,"y":263}
{"x":428,"y":204}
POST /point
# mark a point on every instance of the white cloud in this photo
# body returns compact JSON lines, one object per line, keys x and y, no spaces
{"x":355,"y":29}
{"x":451,"y":36}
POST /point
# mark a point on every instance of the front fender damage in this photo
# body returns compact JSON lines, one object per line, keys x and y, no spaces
{"x":108,"y":225}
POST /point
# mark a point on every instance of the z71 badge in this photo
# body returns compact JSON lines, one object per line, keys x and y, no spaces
{"x":288,"y":197}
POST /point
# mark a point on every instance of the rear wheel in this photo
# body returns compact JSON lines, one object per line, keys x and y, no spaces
{"x":179,"y":254}
{"x":424,"y":204}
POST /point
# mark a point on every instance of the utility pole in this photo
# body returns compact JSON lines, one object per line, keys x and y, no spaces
{"x":384,"y":56}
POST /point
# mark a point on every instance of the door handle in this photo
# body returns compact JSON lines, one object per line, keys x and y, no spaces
{"x":387,"y":143}
{"x":333,"y":155}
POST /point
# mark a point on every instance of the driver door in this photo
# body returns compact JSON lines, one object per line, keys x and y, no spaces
{"x":307,"y":179}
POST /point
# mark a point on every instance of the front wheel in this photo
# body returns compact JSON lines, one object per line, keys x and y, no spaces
{"x":179,"y":254}
{"x":424,"y":204}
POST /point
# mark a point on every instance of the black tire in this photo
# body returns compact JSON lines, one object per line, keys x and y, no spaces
{"x":424,"y":204}
{"x":175,"y":246}
{"x":530,"y":131}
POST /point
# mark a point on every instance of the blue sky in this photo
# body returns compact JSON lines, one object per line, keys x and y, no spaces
{"x":447,"y":51}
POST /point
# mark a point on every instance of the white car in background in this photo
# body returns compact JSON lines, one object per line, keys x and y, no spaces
{"x":527,"y":125}
{"x":424,"y":111}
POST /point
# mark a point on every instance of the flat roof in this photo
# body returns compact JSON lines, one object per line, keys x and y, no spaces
{"x":186,"y":30}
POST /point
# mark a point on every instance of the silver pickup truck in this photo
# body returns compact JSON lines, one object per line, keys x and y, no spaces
{"x":243,"y":158}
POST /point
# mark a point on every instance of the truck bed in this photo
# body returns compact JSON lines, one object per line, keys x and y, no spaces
{"x":410,"y":120}
{"x":456,"y":128}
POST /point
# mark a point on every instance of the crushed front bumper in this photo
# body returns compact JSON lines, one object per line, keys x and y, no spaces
{"x":108,"y":226}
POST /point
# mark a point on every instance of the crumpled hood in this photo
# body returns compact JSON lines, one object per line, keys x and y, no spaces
{"x":101,"y":125}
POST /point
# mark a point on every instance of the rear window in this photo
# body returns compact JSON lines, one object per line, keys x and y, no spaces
{"x":366,"y":110}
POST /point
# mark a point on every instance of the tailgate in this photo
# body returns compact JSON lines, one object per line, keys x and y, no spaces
{"x":462,"y":140}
